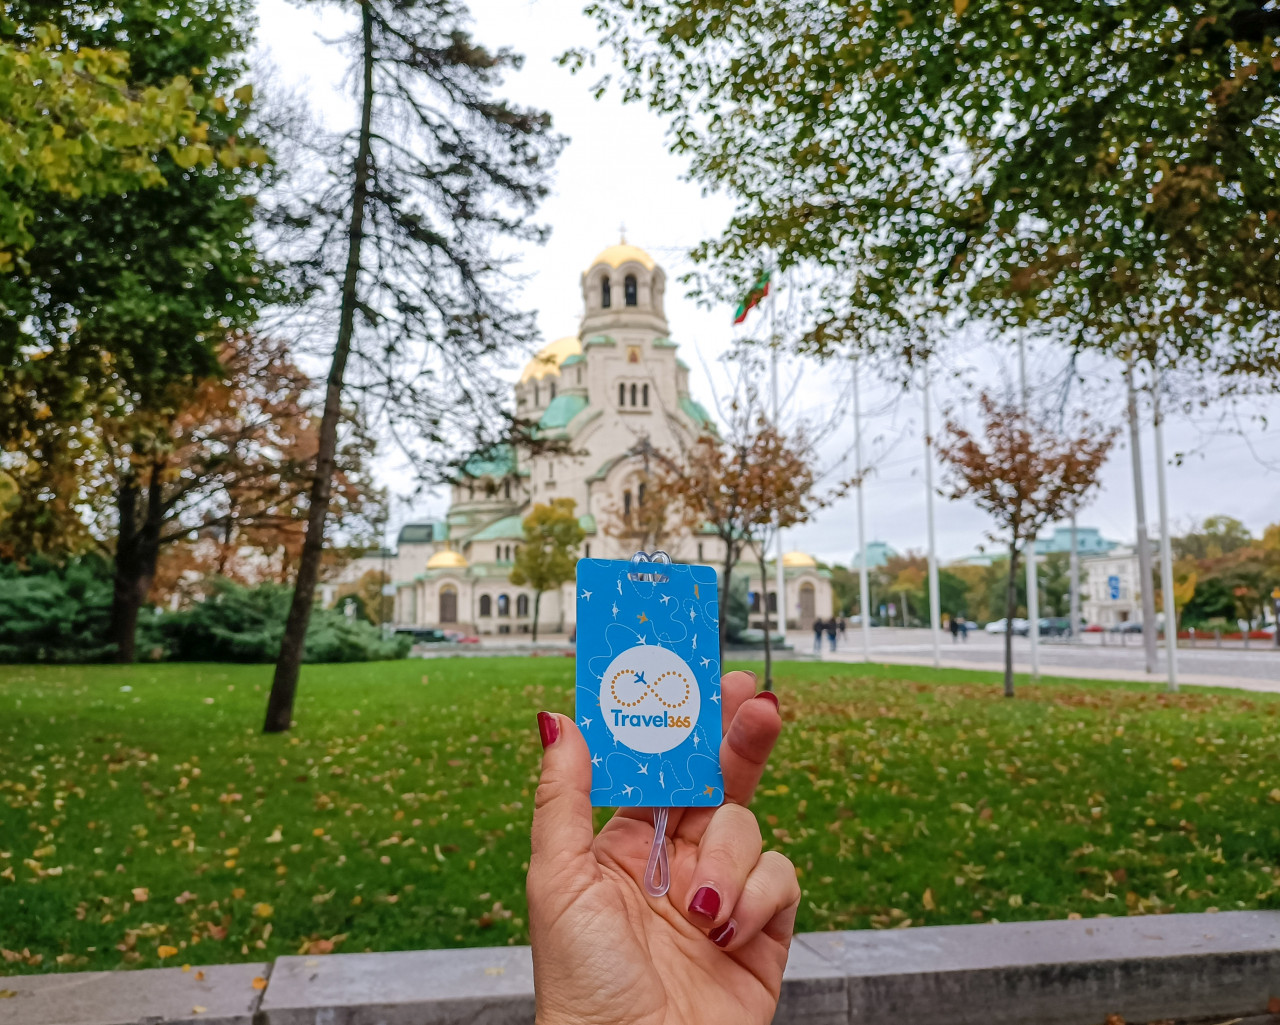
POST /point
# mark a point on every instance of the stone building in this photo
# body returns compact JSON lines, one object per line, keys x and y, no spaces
{"x":613,"y":390}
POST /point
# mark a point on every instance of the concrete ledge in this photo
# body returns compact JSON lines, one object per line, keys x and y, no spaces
{"x":1170,"y":967}
{"x":211,"y":995}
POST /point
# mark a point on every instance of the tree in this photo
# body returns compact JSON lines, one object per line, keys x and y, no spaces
{"x":1108,"y":165}
{"x":549,"y":555}
{"x":1026,"y":475}
{"x":374,"y":605}
{"x":1217,"y":536}
{"x":436,"y":172}
{"x":743,"y":488}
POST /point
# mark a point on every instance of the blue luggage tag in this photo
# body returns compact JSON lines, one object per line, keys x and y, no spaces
{"x":648,"y":682}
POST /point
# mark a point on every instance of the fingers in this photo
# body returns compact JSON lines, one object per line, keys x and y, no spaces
{"x":735,"y":688}
{"x":770,"y":897}
{"x":727,"y":853}
{"x":562,"y":826}
{"x":747,"y":744}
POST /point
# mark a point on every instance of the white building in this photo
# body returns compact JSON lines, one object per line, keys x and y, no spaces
{"x":612,"y":389}
{"x":1112,"y":590}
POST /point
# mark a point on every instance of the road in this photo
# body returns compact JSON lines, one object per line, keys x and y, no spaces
{"x":1255,"y":668}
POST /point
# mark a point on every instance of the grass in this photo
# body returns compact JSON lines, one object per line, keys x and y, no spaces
{"x":144,"y":820}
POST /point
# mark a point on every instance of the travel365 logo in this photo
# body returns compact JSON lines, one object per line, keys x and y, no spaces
{"x":650,"y":699}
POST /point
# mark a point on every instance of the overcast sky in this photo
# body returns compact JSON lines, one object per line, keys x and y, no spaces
{"x":616,"y":170}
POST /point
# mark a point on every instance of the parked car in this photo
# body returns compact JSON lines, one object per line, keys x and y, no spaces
{"x":1093,"y":628}
{"x":1021,"y":628}
{"x":1055,"y":626}
{"x":424,"y":635}
{"x":458,"y":637}
{"x":1131,"y":626}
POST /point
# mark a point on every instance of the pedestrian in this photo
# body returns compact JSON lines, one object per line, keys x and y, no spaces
{"x":955,"y":629}
{"x":841,"y":624}
{"x":831,"y":632}
{"x":964,"y":629}
{"x":817,"y":635}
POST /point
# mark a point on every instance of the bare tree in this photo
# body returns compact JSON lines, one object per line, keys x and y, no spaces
{"x":1025,"y":474}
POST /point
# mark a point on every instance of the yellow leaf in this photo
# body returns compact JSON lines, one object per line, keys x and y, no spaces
{"x":961,"y":7}
{"x":198,"y":1009}
{"x":259,"y":982}
{"x":166,"y":951}
{"x":141,"y":894}
{"x":927,"y":900}
{"x":238,"y":893}
{"x":6,"y":994}
{"x":263,"y":910}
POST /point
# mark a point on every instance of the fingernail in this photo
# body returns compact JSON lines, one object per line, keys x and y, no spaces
{"x":769,"y":696}
{"x":723,"y":936}
{"x":548,"y":728}
{"x":705,"y":902}
{"x":749,"y":673}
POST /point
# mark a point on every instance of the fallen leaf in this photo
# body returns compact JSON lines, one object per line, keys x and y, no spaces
{"x":6,"y":994}
{"x":199,"y":976}
{"x":238,"y":893}
{"x":141,"y":894}
{"x":259,"y":982}
{"x":164,"y":950}
{"x":927,"y":900}
{"x":198,"y":1009}
{"x":263,"y":910}
{"x":184,"y":896}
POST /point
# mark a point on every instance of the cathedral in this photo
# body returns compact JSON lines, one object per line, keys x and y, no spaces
{"x":613,"y":389}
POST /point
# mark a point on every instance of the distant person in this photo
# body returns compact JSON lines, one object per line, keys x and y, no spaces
{"x":818,"y":624}
{"x":964,"y":629}
{"x":955,"y":629}
{"x":831,"y":632}
{"x":842,"y":626}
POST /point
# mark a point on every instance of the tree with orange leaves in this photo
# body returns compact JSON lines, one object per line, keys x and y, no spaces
{"x":1025,"y":474}
{"x":743,"y":488}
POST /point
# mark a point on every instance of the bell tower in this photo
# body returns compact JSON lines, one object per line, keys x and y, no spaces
{"x":623,"y":290}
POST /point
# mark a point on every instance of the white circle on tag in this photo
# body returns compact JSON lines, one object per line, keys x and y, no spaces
{"x":649,"y":698}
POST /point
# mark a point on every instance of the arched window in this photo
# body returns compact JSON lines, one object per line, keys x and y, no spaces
{"x":506,"y":489}
{"x":504,"y":605}
{"x":471,"y":491}
{"x":522,"y":605}
{"x":448,"y":604}
{"x":633,"y":395}
{"x":773,"y":601}
{"x":753,"y":601}
{"x":535,"y":394}
{"x":486,"y":606}
{"x":497,"y":556}
{"x":640,"y":494}
{"x":553,"y":391}
{"x":626,"y":503}
{"x":606,"y":300}
{"x":699,"y":551}
{"x":586,"y":550}
{"x":622,"y":395}
{"x":579,"y":375}
{"x":508,"y":553}
{"x":629,"y":289}
{"x":644,"y":396}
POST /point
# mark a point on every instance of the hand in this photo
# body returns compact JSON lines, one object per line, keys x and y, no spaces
{"x":713,"y":949}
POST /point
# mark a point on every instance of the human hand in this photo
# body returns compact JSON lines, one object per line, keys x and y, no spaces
{"x":713,"y":949}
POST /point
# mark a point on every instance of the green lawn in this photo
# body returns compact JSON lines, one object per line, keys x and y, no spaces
{"x":145,"y":820}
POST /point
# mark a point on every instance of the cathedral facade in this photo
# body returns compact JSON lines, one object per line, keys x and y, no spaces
{"x":613,"y":390}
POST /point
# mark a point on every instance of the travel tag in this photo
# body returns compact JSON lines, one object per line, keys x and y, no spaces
{"x":648,"y":682}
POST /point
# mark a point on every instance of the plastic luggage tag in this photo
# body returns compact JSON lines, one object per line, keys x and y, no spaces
{"x":648,"y":688}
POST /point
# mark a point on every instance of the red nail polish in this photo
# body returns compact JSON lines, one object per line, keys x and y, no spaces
{"x":706,"y":902}
{"x":548,"y":728}
{"x":769,"y":695}
{"x":723,"y":936}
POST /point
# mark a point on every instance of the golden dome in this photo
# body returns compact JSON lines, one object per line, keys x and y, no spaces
{"x":799,"y":560}
{"x":550,"y":357}
{"x":447,"y":559}
{"x":616,"y":256}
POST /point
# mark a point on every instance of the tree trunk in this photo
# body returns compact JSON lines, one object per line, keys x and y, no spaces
{"x":764,"y":602}
{"x":284,"y":685}
{"x":1010,"y":607}
{"x":137,"y":548}
{"x":537,"y":604}
{"x":724,"y":599}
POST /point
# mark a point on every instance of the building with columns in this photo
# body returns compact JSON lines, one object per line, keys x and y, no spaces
{"x":614,"y":391}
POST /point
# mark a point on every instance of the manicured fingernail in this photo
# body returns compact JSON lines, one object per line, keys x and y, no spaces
{"x":723,"y":936}
{"x":749,"y":673}
{"x":705,"y":902}
{"x":548,"y":728}
{"x":769,"y":695}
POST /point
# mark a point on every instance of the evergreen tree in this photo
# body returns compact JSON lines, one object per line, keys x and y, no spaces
{"x":437,"y":171}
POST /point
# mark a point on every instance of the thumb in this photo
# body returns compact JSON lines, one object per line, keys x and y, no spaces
{"x":563,"y":830}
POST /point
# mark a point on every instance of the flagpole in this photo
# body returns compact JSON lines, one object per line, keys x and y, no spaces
{"x":780,"y":576}
{"x":935,"y":610}
{"x":864,"y":589}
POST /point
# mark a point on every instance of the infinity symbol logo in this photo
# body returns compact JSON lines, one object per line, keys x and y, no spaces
{"x":672,"y":679}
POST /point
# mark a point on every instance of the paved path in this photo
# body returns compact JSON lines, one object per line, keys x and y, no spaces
{"x":1256,"y":668}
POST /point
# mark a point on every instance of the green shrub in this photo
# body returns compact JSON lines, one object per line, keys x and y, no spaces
{"x":52,"y":613}
{"x":245,"y":624}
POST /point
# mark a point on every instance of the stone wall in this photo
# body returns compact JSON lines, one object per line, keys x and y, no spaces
{"x":1222,"y":967}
